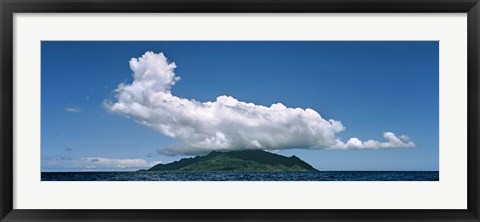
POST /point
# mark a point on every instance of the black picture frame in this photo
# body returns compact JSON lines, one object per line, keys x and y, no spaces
{"x":9,"y":7}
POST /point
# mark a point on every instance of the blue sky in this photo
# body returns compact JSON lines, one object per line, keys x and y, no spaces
{"x":370,"y":87}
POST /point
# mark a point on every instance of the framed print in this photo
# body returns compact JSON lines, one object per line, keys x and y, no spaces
{"x":233,"y":110}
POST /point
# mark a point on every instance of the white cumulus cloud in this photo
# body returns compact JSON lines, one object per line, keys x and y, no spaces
{"x":392,"y":141}
{"x":226,"y":123}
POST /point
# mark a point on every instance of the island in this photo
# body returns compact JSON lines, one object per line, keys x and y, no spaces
{"x":237,"y":161}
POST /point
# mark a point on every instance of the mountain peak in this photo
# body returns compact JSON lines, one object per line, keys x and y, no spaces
{"x":237,"y":161}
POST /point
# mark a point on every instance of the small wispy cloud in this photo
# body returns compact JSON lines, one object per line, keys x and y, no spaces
{"x":72,"y":109}
{"x":226,"y":123}
{"x":95,"y":164}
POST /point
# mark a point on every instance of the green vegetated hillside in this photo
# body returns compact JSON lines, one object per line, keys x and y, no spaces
{"x":237,"y":161}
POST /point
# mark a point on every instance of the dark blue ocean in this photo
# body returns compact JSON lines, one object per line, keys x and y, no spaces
{"x":229,"y":176}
